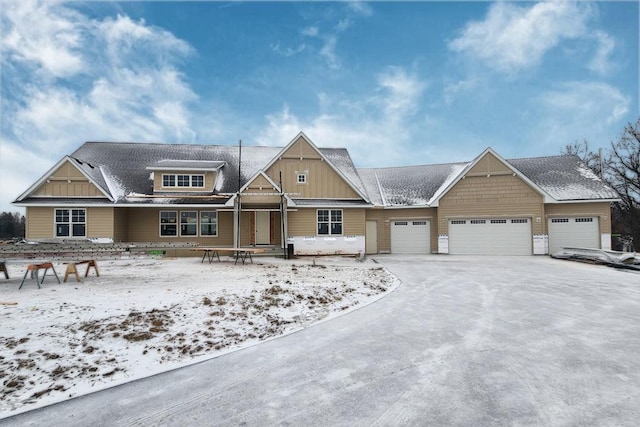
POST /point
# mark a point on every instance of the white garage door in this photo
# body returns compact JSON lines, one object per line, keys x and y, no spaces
{"x":410,"y":237}
{"x":511,"y":236}
{"x":573,"y":233}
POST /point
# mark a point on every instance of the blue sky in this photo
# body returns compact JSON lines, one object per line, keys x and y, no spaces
{"x":395,"y":83}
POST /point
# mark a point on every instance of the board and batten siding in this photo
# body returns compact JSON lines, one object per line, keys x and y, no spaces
{"x":322,"y":181}
{"x":601,"y":210}
{"x":493,"y":196}
{"x":386,"y":216}
{"x":303,"y":222}
{"x":67,"y":181}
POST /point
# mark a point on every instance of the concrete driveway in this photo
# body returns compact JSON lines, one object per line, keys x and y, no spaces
{"x":463,"y":341}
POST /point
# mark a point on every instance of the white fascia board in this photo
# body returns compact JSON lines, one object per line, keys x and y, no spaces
{"x":324,"y":159}
{"x":46,"y":175}
{"x":583,"y":201}
{"x":408,"y":207}
{"x":256,"y":175}
{"x":546,"y":196}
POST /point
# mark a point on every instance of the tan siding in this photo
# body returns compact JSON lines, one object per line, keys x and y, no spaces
{"x":494,"y":196}
{"x":599,"y":209}
{"x":121,"y":225}
{"x":100,"y":222}
{"x":384,"y":218}
{"x":489,"y":164}
{"x":67,"y":181}
{"x":303,"y":222}
{"x":301,"y":148}
{"x":39,"y":223}
{"x":353,"y":222}
{"x":260,"y":191}
{"x":144,"y":226}
{"x":322,"y":181}
{"x":209,"y":180}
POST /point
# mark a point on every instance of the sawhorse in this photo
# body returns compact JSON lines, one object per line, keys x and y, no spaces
{"x":71,"y":269}
{"x":34,"y":268}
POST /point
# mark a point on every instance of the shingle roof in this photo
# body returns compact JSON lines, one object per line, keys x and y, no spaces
{"x":564,"y":178}
{"x":120,"y":167}
{"x":407,"y":185}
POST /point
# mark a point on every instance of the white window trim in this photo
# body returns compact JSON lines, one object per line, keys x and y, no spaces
{"x":302,"y":175}
{"x":330,"y":222}
{"x":70,"y":223}
{"x":160,"y":224}
{"x":197,"y":224}
{"x":200,"y":224}
{"x":179,"y":223}
{"x":175,"y":180}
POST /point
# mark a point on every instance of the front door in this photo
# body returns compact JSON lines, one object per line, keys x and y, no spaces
{"x":263,"y":228}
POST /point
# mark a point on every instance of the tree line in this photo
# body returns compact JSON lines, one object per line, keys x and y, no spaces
{"x":12,"y":225}
{"x":619,"y":166}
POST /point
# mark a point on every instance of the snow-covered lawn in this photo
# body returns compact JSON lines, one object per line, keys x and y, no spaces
{"x":146,"y":316}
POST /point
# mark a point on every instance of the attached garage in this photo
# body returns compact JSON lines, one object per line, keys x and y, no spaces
{"x":499,"y":236}
{"x":567,"y":232}
{"x":410,"y":237}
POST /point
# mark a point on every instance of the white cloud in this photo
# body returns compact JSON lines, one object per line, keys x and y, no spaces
{"x":375,"y":129}
{"x":287,"y":52}
{"x":452,"y":90}
{"x":360,"y":7}
{"x":601,"y":61}
{"x":512,"y":38}
{"x":403,"y":91}
{"x":310,"y":31}
{"x":17,"y":164}
{"x":43,"y":36}
{"x":330,"y":38}
{"x":577,"y":110}
{"x":328,"y":52}
{"x":73,"y":79}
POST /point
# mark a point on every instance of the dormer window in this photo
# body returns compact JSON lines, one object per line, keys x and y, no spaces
{"x":182,"y":181}
{"x":302,"y":178}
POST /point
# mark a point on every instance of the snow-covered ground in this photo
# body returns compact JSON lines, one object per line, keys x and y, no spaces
{"x":146,"y":316}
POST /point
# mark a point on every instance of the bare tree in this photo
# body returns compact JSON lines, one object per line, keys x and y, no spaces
{"x":592,"y":160}
{"x":620,"y":168}
{"x":623,"y":174}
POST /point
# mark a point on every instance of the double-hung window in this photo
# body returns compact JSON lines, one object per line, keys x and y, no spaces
{"x":208,"y":223}
{"x":71,"y":222}
{"x":168,"y":223}
{"x":188,"y":223}
{"x":329,"y":222}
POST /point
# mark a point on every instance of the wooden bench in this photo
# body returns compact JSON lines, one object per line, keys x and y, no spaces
{"x":72,"y":268}
{"x":238,"y":253}
{"x":35,"y":268}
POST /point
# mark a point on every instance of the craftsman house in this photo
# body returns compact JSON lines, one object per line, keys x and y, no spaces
{"x":317,"y":200}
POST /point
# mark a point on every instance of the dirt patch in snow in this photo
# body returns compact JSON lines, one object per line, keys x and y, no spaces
{"x":141,"y":317}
